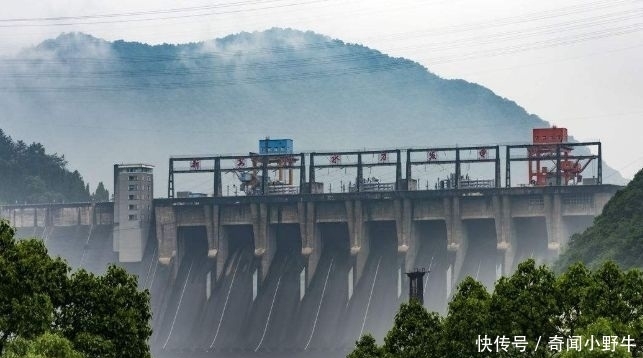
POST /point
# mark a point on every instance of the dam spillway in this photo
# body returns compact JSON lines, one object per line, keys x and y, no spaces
{"x":305,"y":275}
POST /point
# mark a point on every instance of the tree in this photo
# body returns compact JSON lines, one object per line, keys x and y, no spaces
{"x":615,"y":234}
{"x":525,"y":305}
{"x":580,"y":305}
{"x":467,"y":319}
{"x":605,"y":298}
{"x":29,"y":174}
{"x":103,"y":316}
{"x":572,"y":288}
{"x":32,"y":284}
{"x":632,"y":294}
{"x":108,"y":310}
{"x":601,"y":328}
{"x":416,"y":333}
{"x":366,"y":348}
{"x":48,"y":345}
{"x":101,"y":194}
{"x":616,"y":296}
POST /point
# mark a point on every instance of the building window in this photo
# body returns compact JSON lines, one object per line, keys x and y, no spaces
{"x":132,"y":187}
{"x":132,"y":217}
{"x":132,"y":197}
{"x":133,"y":178}
{"x":133,"y":207}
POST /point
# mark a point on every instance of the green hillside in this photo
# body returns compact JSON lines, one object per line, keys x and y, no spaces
{"x":617,"y":234}
{"x":29,"y":175}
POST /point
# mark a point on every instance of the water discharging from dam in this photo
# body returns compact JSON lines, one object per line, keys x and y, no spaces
{"x":433,"y":256}
{"x":240,"y":316}
{"x":235,"y":313}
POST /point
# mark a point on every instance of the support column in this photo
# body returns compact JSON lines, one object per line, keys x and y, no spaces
{"x":505,"y":233}
{"x":170,"y":178}
{"x":310,"y":236}
{"x":302,"y":172}
{"x":92,"y":213}
{"x":166,"y":233}
{"x":359,"y":238}
{"x":49,"y":217}
{"x":408,"y":176}
{"x":497,"y":167}
{"x":222,"y":251}
{"x":458,"y":171}
{"x":211,"y":228}
{"x":558,"y":172}
{"x":553,"y":219}
{"x":508,"y":168}
{"x":599,"y":168}
{"x":264,"y":237}
{"x":217,"y":239}
{"x":311,"y":174}
{"x":407,"y":245}
{"x":360,"y":173}
{"x":217,"y":178}
{"x":398,"y":171}
{"x":264,"y":175}
{"x":456,"y":238}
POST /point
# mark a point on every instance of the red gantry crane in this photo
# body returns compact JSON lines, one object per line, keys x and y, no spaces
{"x":551,"y":157}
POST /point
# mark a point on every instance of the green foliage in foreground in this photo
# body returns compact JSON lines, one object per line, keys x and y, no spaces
{"x":578,"y":305}
{"x":48,"y":345}
{"x":46,"y":312}
{"x":617,"y":234}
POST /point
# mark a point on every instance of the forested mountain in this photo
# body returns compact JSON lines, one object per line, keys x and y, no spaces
{"x":28,"y":174}
{"x":102,"y":102}
{"x":617,"y":234}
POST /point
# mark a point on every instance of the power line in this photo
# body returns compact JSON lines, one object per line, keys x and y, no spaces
{"x":276,"y":6}
{"x":575,"y":24}
{"x":136,"y":13}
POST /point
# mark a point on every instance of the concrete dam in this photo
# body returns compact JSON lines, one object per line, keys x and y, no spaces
{"x":305,"y":275}
{"x":289,"y":268}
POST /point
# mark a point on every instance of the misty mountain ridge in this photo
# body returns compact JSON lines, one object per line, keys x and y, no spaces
{"x":102,"y":102}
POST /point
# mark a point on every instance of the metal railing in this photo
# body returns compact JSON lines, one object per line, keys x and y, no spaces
{"x":477,"y":184}
{"x":372,"y":187}
{"x":283,"y":189}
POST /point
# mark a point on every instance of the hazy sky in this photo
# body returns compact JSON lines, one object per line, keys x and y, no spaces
{"x":577,"y":64}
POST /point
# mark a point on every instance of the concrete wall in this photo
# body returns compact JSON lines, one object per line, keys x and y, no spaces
{"x":404,"y":209}
{"x":558,"y":207}
{"x":58,"y":215}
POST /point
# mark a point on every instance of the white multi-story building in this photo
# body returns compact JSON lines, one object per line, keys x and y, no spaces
{"x":133,"y":188}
